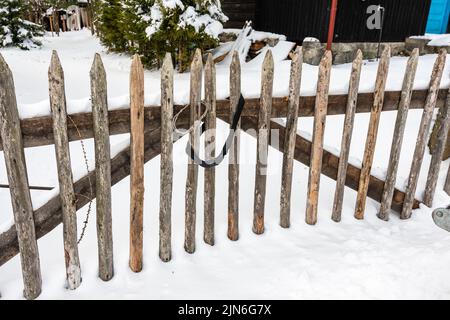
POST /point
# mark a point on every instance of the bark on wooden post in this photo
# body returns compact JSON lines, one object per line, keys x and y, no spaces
{"x":265,"y":113}
{"x":233,"y":166}
{"x":210,"y":150}
{"x":137,"y":164}
{"x":102,"y":169}
{"x":369,"y":152}
{"x":290,"y":138}
{"x":436,"y":159}
{"x":402,"y":116}
{"x":424,"y":129}
{"x":194,"y":138}
{"x":67,"y":193}
{"x":323,"y":86}
{"x":165,"y":213}
{"x":347,"y":136}
{"x":18,"y":180}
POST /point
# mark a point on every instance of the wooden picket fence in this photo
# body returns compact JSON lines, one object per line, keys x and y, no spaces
{"x":152,"y":134}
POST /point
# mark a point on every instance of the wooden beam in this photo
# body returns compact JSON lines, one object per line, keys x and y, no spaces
{"x":49,"y":216}
{"x":39,"y":131}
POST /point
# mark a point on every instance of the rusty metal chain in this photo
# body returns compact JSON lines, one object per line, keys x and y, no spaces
{"x":88,"y":213}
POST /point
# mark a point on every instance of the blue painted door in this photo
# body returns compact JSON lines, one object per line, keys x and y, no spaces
{"x":439,"y":16}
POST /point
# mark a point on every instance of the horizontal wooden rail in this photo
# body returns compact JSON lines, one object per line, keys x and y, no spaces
{"x":330,"y":165}
{"x":39,"y":131}
{"x":49,"y":216}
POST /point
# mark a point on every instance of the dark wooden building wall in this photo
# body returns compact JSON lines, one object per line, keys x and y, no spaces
{"x":298,"y":19}
{"x":239,"y":11}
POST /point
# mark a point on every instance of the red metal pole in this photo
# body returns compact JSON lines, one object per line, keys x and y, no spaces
{"x":332,"y":23}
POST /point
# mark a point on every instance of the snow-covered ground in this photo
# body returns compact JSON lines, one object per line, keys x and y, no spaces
{"x":354,"y":259}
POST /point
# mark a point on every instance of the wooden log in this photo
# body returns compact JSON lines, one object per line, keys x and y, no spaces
{"x":402,"y":116}
{"x":424,"y":129}
{"x":210,"y":150}
{"x":263,"y":143}
{"x":436,"y":159}
{"x":165,"y":212}
{"x":137,"y":164}
{"x":330,"y":163}
{"x":371,"y":141}
{"x":233,"y":166}
{"x":290,"y":137}
{"x":39,"y":131}
{"x":67,"y":193}
{"x":323,"y":86}
{"x":18,"y":180}
{"x":347,"y":136}
{"x":49,"y":216}
{"x":194,"y":138}
{"x":102,"y":169}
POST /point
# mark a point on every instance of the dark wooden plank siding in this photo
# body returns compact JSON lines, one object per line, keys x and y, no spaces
{"x":298,"y":19}
{"x":239,"y":11}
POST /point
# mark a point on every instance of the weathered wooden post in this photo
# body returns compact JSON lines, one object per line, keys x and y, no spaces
{"x":290,"y":137}
{"x":347,"y":136}
{"x":424,"y":129}
{"x":67,"y":193}
{"x":265,"y":113}
{"x":402,"y":116}
{"x":438,"y":153}
{"x":315,"y":171}
{"x":18,"y":180}
{"x":369,"y":153}
{"x":102,"y":169}
{"x":165,"y":213}
{"x":210,"y":150}
{"x":137,"y":164}
{"x":194,"y":138}
{"x":233,"y":166}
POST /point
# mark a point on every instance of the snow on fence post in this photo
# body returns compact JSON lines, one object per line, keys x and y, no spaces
{"x":210,"y":147}
{"x":402,"y":116}
{"x":67,"y":193}
{"x":424,"y":129}
{"x":233,"y":166}
{"x":290,"y":138}
{"x":18,"y":180}
{"x":315,"y":171}
{"x":102,"y":169}
{"x":137,"y":164}
{"x":380,"y":86}
{"x":194,"y":138}
{"x":352,"y":100}
{"x":165,"y":213}
{"x":263,"y":130}
{"x":436,"y":159}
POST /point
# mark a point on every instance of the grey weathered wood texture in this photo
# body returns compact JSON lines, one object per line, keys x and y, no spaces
{"x":194,"y":138}
{"x":371,"y":141}
{"x":49,"y":216}
{"x":102,"y":169}
{"x":137,"y":164}
{"x":349,"y":120}
{"x":18,"y":180}
{"x":289,"y":139}
{"x":323,"y":86}
{"x":210,"y":150}
{"x":233,"y":166}
{"x":67,"y":193}
{"x":165,"y":212}
{"x":397,"y":141}
{"x":438,"y":153}
{"x":447,"y":182}
{"x":422,"y":136}
{"x":39,"y":131}
{"x":263,"y":143}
